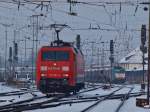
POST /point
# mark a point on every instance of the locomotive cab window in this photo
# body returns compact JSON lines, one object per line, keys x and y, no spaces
{"x":55,"y":55}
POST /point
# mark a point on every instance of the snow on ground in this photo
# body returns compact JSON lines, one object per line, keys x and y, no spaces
{"x":105,"y":106}
{"x":4,"y":88}
{"x":15,"y":98}
{"x":65,"y":108}
{"x":130,"y":106}
{"x":99,"y":91}
{"x":123,"y":91}
{"x":137,"y":88}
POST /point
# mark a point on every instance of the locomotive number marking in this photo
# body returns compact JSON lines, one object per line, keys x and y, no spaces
{"x":54,"y":68}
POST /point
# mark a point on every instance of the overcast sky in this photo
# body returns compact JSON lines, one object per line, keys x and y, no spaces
{"x":120,"y":21}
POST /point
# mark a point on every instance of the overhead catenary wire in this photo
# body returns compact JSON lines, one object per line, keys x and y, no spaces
{"x":26,"y":3}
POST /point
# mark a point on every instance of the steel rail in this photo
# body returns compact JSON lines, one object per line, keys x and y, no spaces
{"x":124,"y":98}
{"x":100,"y":100}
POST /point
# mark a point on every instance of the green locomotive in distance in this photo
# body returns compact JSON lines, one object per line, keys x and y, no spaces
{"x":118,"y":74}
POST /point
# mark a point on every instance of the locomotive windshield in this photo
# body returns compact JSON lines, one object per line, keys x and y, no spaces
{"x":55,"y":55}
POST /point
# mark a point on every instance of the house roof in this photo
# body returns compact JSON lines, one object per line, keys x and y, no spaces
{"x":134,"y":57}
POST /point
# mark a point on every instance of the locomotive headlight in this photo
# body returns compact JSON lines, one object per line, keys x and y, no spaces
{"x":65,"y":75}
{"x":43,"y":68}
{"x":65,"y":68}
{"x":43,"y":75}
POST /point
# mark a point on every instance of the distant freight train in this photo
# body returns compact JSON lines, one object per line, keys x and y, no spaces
{"x":60,"y":68}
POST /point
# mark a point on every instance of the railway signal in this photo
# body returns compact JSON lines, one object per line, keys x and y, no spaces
{"x":143,"y":48}
{"x":143,"y":34}
{"x":78,"y":41}
{"x":10,"y":54}
{"x":111,"y":46}
{"x":111,"y":58}
{"x":15,"y":51}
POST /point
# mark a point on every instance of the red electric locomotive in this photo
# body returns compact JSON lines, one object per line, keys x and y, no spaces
{"x":60,"y":68}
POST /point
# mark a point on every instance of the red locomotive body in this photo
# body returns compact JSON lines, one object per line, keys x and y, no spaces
{"x":60,"y":69}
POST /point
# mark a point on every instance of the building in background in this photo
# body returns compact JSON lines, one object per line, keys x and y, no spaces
{"x":133,"y":65}
{"x":133,"y":60}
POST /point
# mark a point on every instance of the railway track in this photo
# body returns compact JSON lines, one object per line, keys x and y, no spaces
{"x":80,"y":100}
{"x":30,"y":103}
{"x":19,"y":92}
{"x":13,"y":104}
{"x":12,"y":93}
{"x":36,"y":103}
{"x":100,"y":100}
{"x":123,"y":99}
{"x":96,"y":97}
{"x":90,"y":89}
{"x":26,"y":105}
{"x":13,"y":96}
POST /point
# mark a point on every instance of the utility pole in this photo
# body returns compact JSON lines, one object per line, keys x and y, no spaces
{"x":98,"y":56}
{"x":86,"y":58}
{"x":10,"y":63}
{"x":25,"y":46}
{"x":35,"y":33}
{"x":92,"y":61}
{"x":35,"y":29}
{"x":98,"y":62}
{"x":148,"y":75}
{"x":14,"y":57}
{"x":102,"y":62}
{"x":143,"y":48}
{"x":6,"y":31}
{"x":35,"y":20}
{"x":111,"y":58}
{"x":5,"y":49}
{"x":25,"y":52}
